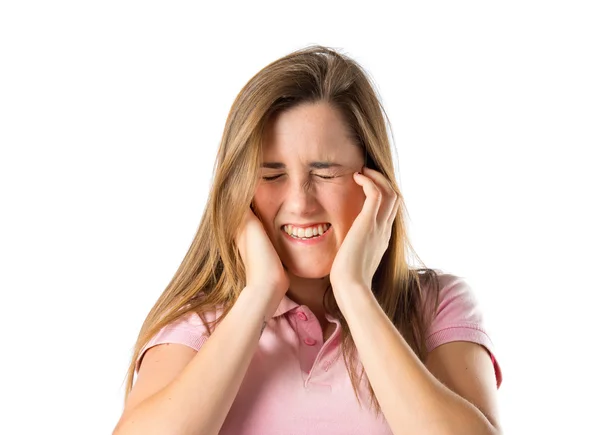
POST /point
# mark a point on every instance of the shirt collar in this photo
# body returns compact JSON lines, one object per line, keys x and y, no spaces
{"x":285,"y":305}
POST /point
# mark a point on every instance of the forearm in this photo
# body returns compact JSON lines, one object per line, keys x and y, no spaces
{"x":411,"y":398}
{"x":199,"y":398}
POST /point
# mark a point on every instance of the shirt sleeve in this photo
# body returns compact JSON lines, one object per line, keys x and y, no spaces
{"x":189,"y":330}
{"x":459,"y":318}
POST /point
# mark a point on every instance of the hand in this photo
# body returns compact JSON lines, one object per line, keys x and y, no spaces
{"x":368,"y":238}
{"x":263,"y":266}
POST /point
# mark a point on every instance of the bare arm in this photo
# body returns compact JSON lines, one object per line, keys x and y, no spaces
{"x":454,"y":393}
{"x":179,"y":391}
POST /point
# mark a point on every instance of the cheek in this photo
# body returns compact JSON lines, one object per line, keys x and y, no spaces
{"x":265,"y":203}
{"x":356,"y":197}
{"x":346,"y":204}
{"x":260,"y":197}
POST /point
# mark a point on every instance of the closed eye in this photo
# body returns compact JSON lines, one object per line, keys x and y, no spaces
{"x":274,"y":177}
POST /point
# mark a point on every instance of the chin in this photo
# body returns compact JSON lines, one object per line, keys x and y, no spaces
{"x":310,"y":275}
{"x":312,"y":271}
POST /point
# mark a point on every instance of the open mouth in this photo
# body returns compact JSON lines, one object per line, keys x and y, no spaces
{"x":310,"y":233}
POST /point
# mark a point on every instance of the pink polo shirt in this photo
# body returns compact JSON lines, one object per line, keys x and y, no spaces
{"x":296,"y":384}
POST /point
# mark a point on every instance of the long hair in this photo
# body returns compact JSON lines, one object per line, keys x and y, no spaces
{"x":212,"y":273}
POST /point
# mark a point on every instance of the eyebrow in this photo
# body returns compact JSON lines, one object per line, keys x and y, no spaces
{"x":313,"y":165}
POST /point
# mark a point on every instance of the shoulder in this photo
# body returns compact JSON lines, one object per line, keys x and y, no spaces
{"x":457,"y":316}
{"x":451,"y":300}
{"x":191,"y":330}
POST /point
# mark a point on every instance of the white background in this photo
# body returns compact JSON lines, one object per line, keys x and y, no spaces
{"x":110,"y":117}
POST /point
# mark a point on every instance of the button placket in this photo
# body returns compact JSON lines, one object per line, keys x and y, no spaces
{"x":310,"y":341}
{"x":329,"y":350}
{"x":306,"y":327}
{"x":310,"y":346}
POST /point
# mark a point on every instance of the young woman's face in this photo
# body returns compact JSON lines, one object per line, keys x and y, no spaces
{"x":306,"y":182}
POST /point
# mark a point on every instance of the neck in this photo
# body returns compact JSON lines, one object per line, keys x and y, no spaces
{"x":309,"y":292}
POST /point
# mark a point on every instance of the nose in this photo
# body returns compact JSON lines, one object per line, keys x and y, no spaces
{"x":300,"y":196}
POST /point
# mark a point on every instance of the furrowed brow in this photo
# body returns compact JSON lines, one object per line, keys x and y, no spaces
{"x":324,"y":165}
{"x":313,"y":165}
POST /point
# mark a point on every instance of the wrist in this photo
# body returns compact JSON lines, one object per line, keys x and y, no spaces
{"x":351,"y":293}
{"x":262,"y":298}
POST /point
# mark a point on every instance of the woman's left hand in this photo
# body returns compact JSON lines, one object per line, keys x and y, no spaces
{"x":368,"y":238}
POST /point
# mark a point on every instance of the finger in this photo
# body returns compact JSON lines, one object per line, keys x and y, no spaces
{"x":394,"y":213}
{"x":389,"y":196}
{"x":373,"y":201}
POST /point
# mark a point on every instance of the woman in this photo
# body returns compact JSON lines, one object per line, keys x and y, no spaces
{"x":297,"y":284}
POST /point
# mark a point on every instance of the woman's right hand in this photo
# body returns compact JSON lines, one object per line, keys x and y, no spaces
{"x":263,"y":265}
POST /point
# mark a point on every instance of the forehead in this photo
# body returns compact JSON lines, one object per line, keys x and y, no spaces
{"x":309,"y":130}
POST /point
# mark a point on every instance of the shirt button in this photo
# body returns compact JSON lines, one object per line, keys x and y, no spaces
{"x":302,"y":316}
{"x":310,"y":341}
{"x":327,"y":365}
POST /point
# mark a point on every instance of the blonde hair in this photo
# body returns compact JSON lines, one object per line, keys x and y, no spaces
{"x":212,"y":272}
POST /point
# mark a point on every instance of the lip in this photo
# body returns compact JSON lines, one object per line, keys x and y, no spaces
{"x":311,"y":241}
{"x":314,"y":224}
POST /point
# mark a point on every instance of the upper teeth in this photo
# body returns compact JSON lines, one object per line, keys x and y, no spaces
{"x":306,"y":232}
